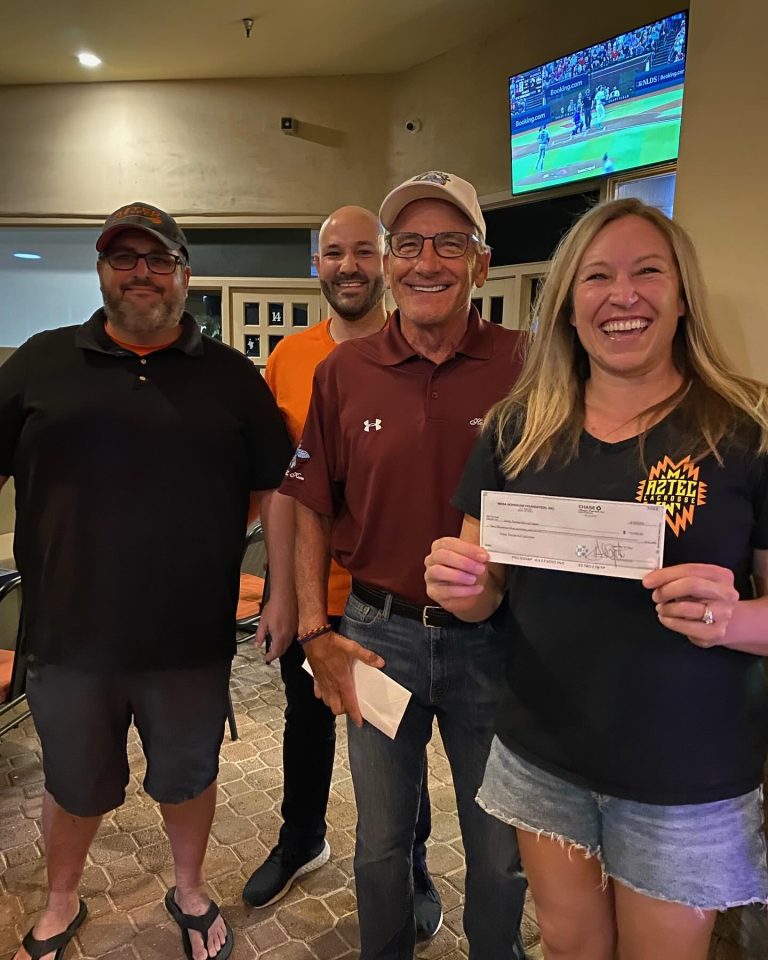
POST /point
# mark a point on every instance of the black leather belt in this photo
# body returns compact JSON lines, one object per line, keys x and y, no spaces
{"x":428,"y":616}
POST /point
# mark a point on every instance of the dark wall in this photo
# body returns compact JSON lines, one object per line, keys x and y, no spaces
{"x":526,"y":232}
{"x":249,"y":253}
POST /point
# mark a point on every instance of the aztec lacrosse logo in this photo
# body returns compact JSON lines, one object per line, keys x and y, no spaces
{"x":677,"y":487}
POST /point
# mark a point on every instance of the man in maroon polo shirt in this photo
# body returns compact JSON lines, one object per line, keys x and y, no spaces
{"x":392,"y":420}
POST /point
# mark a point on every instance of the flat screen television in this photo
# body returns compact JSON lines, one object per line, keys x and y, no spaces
{"x":610,"y":107}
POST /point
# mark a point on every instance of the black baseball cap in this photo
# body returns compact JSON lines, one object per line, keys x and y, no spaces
{"x":143,"y":216}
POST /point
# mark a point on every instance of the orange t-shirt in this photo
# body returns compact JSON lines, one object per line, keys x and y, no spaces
{"x":290,"y":368}
{"x":138,"y":348}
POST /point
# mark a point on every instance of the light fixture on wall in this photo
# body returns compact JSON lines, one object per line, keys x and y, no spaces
{"x":247,"y":26}
{"x":88,"y":60}
{"x":27,"y":256}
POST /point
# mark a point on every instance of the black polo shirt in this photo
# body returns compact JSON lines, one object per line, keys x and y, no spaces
{"x":132,"y":484}
{"x":386,"y":438}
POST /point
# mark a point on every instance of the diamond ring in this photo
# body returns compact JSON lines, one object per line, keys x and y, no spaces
{"x":708,"y":617}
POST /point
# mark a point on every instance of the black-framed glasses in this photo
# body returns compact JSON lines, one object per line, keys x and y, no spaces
{"x":449,"y":244}
{"x":156,"y":262}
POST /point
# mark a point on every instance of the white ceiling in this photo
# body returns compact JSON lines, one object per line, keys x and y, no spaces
{"x":187,"y":39}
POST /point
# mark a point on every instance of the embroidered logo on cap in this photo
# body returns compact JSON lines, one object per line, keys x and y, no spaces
{"x":136,"y":210}
{"x":433,"y":176}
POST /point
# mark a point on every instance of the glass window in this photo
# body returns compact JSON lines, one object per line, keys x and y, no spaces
{"x":300,"y":314}
{"x":251,"y":314}
{"x":205,"y":307}
{"x":314,"y":247}
{"x":54,"y":286}
{"x":657,"y":191}
{"x":276,"y":312}
{"x":497,"y":309}
{"x":249,"y":251}
{"x":274,"y":339}
{"x":252,"y":345}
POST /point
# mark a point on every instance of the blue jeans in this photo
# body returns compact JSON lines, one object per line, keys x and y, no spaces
{"x":309,"y":747}
{"x":455,"y":674}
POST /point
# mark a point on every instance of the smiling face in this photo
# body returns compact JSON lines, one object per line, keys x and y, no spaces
{"x":138,"y":301}
{"x":349,"y":262}
{"x":627,"y":299}
{"x":431,"y":290}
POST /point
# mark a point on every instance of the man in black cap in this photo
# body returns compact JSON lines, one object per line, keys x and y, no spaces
{"x":113,"y":430}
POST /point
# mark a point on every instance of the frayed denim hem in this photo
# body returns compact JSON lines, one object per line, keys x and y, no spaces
{"x":565,"y":842}
{"x":697,"y":907}
{"x":589,"y":852}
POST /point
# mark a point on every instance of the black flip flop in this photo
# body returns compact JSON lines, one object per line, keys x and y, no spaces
{"x":56,"y":945}
{"x":202,"y":924}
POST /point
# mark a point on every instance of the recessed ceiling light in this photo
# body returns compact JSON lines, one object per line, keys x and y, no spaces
{"x":28,"y":256}
{"x":88,"y":60}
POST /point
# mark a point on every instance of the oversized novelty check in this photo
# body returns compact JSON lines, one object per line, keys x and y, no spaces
{"x":608,"y":537}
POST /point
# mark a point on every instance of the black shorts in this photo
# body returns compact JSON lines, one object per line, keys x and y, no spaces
{"x":82,"y":720}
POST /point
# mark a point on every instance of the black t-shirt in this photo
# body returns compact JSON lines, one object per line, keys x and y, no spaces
{"x":599,"y":692}
{"x":132,"y":485}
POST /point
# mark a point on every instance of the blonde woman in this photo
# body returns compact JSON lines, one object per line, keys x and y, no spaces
{"x":630,"y":744}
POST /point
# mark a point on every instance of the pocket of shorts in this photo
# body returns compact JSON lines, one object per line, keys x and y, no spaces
{"x":356,"y":611}
{"x":32,"y":666}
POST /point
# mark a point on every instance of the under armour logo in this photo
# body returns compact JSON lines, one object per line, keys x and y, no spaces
{"x":371,"y":425}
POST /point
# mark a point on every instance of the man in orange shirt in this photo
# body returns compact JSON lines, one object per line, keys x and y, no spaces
{"x":350,"y":267}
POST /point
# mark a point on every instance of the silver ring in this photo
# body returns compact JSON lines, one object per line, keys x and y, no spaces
{"x":708,"y":617}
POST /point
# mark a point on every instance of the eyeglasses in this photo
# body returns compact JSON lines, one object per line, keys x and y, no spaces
{"x":450,"y":244}
{"x":156,"y":262}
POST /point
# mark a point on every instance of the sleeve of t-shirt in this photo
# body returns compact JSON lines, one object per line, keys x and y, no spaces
{"x":480,"y":473}
{"x":13,"y":378}
{"x":269,"y":443}
{"x":314,"y":477}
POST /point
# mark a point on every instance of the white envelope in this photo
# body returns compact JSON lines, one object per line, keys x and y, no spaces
{"x":382,"y":700}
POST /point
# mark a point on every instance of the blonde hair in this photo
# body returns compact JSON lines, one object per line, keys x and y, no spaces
{"x":545,"y":409}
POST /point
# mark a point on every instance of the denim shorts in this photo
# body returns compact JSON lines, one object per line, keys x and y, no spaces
{"x":705,"y":855}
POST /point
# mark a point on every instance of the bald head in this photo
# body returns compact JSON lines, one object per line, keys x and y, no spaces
{"x":357,"y":219}
{"x":350,"y":262}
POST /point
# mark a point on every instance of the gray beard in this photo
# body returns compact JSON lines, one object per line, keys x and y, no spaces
{"x":377,"y":292}
{"x":132,"y":318}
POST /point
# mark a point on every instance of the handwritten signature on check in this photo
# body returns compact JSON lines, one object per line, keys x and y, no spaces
{"x":602,"y":550}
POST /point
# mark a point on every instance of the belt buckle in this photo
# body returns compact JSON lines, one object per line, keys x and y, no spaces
{"x":425,"y":613}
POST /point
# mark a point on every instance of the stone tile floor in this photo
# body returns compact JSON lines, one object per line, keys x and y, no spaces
{"x":129,"y":867}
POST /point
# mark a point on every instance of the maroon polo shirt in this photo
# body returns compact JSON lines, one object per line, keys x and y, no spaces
{"x":385,"y":442}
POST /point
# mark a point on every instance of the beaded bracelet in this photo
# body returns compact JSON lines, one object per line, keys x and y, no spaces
{"x":311,"y":634}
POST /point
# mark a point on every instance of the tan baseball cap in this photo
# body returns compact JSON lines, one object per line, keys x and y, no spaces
{"x":440,"y":186}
